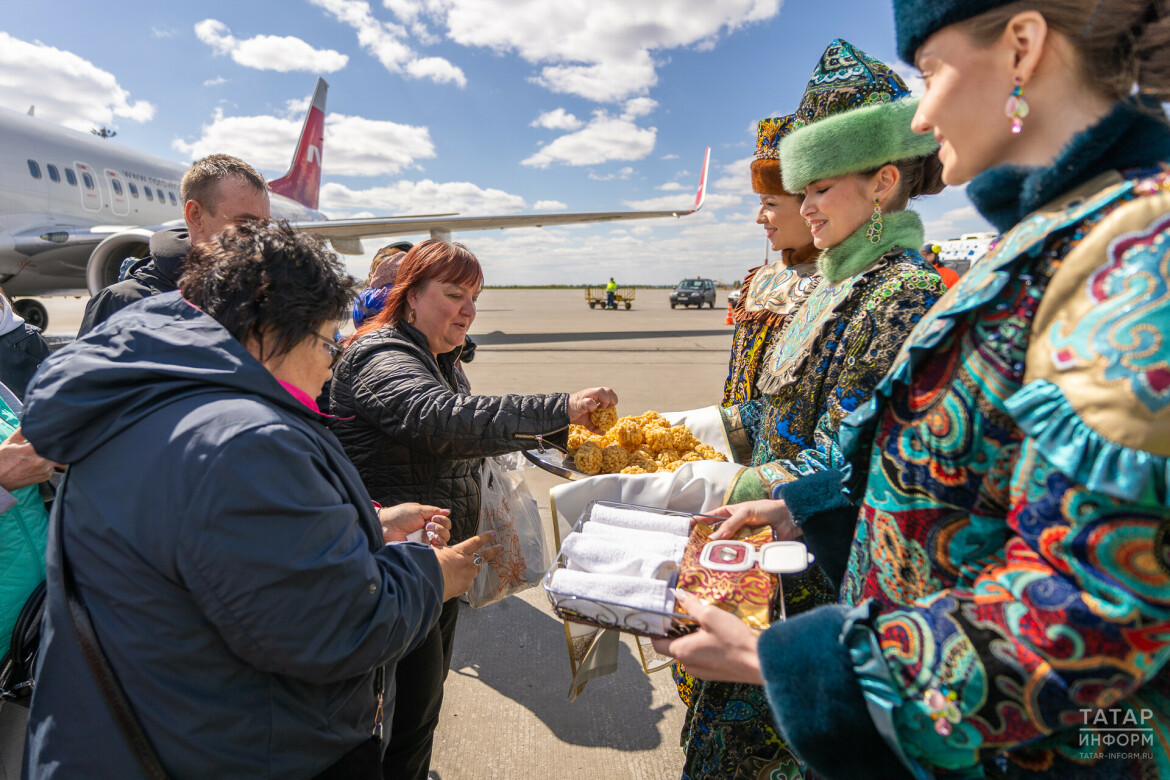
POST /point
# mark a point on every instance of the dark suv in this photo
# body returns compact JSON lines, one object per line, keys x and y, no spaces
{"x":694,"y":292}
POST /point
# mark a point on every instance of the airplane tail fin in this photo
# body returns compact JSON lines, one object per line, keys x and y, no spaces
{"x":302,"y":183}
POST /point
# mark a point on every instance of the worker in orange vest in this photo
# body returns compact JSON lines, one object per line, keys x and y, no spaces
{"x":930,"y":254}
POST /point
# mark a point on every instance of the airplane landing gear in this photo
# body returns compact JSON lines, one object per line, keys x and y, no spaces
{"x":33,"y":312}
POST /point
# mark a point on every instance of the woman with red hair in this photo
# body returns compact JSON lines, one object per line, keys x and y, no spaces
{"x":414,"y":431}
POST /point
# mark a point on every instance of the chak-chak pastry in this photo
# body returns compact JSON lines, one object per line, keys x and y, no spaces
{"x":588,"y":458}
{"x":614,"y":458}
{"x":604,"y":419}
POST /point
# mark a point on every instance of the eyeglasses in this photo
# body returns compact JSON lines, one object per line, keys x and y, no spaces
{"x":334,"y":349}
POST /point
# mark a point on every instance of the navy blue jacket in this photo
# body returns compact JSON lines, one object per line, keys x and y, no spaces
{"x":230,"y":558}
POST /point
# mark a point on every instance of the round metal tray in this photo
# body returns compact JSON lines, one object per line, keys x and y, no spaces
{"x":554,"y":462}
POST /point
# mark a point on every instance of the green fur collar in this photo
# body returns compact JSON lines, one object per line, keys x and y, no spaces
{"x":855,"y":254}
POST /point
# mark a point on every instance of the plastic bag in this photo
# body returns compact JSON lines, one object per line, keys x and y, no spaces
{"x":508,"y":508}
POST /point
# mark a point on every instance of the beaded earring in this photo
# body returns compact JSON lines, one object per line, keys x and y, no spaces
{"x":875,"y":223}
{"x":1017,"y":108}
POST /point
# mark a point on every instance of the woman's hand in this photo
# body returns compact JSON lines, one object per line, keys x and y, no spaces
{"x":460,"y":563}
{"x":20,"y":466}
{"x":583,"y":402}
{"x":756,"y":513}
{"x":724,"y":648}
{"x":403,"y":519}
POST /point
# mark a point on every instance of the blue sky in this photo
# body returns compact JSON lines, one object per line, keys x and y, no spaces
{"x":474,"y":106}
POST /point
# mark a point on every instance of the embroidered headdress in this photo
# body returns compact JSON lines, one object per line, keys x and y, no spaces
{"x":766,"y":179}
{"x":854,"y":117}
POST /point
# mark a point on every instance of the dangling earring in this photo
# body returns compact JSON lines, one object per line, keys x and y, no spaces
{"x":1017,"y":108}
{"x":410,"y":317}
{"x":875,"y":223}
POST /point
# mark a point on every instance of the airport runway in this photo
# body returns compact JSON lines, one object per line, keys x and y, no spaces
{"x":505,"y":714}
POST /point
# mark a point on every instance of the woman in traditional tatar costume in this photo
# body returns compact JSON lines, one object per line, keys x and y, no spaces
{"x":1010,"y":569}
{"x":856,"y":162}
{"x":770,"y":292}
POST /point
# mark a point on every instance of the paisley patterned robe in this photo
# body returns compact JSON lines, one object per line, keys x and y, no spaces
{"x":834,"y":351}
{"x":1010,"y":564}
{"x":1009,"y":535}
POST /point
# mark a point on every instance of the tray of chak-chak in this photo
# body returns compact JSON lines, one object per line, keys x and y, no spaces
{"x":644,"y":444}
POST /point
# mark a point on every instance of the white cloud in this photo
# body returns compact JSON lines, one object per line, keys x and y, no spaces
{"x":550,"y":205}
{"x":952,"y":223}
{"x":623,"y":174}
{"x":712,"y":202}
{"x":354,"y":145}
{"x":161,"y":32}
{"x":420,"y":197}
{"x":672,"y":186}
{"x":737,"y":176}
{"x":269,"y":52}
{"x":604,"y":138}
{"x":557,"y":119}
{"x":387,"y":41}
{"x":637,"y":107}
{"x":602,"y":50}
{"x":406,"y":10}
{"x":64,"y":87}
{"x":215,"y":82}
{"x":668,"y":157}
{"x":436,"y":69}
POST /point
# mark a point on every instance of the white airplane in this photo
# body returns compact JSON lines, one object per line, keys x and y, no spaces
{"x":74,"y":206}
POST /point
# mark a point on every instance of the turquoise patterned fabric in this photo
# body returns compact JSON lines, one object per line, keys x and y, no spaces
{"x":1016,"y":556}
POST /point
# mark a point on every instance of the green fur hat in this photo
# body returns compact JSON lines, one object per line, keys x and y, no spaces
{"x":854,"y":116}
{"x":917,"y":20}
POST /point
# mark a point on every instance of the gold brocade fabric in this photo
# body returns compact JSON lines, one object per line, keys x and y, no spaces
{"x":745,"y":594}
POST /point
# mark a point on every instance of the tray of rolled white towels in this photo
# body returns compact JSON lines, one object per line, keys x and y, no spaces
{"x":618,"y":568}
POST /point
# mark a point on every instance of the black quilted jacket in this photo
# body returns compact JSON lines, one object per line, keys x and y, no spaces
{"x":415,"y":432}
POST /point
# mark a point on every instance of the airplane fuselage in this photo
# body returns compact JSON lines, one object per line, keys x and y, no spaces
{"x":62,"y":192}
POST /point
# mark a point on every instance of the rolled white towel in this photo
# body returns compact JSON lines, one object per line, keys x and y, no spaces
{"x":636,"y":594}
{"x":668,"y":545}
{"x":609,"y":555}
{"x":642,"y":521}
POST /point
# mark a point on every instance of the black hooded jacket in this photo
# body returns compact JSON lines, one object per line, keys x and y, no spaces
{"x":158,"y":273}
{"x":409,"y":424}
{"x":227,"y":552}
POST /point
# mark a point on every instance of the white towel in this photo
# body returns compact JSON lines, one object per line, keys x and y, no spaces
{"x":636,"y":594}
{"x":643,"y":521}
{"x":667,"y":545}
{"x":609,"y":555}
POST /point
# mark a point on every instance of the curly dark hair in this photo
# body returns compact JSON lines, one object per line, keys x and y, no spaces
{"x":264,"y":280}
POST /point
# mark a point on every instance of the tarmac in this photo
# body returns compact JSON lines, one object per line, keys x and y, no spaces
{"x":505,"y":713}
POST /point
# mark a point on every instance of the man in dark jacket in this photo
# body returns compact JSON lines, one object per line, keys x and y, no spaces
{"x":217,"y":191}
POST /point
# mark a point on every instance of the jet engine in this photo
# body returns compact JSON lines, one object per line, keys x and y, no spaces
{"x":102,"y":269}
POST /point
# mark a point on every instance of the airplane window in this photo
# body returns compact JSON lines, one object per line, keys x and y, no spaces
{"x":70,"y":177}
{"x":133,"y":189}
{"x":87,"y":180}
{"x":54,"y":174}
{"x":117,"y":185}
{"x":146,"y":191}
{"x":34,"y":169}
{"x":173,"y":201}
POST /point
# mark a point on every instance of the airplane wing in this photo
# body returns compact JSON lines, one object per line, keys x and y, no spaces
{"x":349,"y":229}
